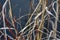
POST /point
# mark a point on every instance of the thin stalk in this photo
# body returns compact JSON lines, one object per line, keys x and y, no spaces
{"x":42,"y":22}
{"x":3,"y":14}
{"x":55,"y":28}
{"x":33,"y":13}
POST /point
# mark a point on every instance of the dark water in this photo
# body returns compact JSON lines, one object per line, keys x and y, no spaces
{"x":20,"y":8}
